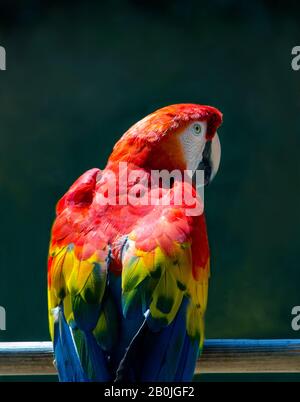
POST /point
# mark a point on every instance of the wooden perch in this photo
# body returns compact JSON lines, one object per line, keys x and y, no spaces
{"x":219,"y":356}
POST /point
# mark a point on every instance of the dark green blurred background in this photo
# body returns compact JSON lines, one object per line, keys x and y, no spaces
{"x":80,"y":73}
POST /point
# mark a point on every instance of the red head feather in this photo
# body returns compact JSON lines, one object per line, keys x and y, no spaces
{"x":150,"y":143}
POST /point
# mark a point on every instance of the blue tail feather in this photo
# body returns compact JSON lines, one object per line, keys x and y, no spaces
{"x":165,"y":348}
{"x":188,"y":359}
{"x":78,"y":357}
{"x":66,"y":357}
{"x":157,"y":356}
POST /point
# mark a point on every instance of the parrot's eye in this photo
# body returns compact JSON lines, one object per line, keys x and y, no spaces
{"x":197,"y":129}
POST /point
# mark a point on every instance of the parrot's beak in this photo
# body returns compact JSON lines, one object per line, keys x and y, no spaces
{"x":215,"y":156}
{"x":211,"y":157}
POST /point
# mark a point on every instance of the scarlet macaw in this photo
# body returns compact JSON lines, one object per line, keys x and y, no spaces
{"x":127,"y":284}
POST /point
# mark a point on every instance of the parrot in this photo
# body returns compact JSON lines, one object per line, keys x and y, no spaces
{"x":128,"y":280}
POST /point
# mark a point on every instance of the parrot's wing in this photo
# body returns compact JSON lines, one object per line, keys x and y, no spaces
{"x":77,"y":278}
{"x":165,"y":270}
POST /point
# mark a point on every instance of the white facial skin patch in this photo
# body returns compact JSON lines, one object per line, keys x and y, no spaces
{"x":193,"y":143}
{"x":193,"y":140}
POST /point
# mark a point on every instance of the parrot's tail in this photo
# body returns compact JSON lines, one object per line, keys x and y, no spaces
{"x":166,"y":355}
{"x":91,"y":366}
{"x":66,"y":357}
